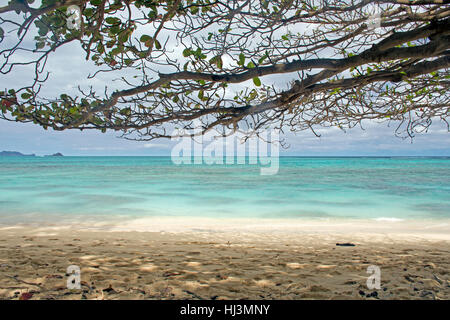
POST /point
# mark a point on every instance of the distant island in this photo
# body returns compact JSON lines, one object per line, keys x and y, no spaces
{"x":58,"y":154}
{"x":19,"y":154}
{"x":15,"y":154}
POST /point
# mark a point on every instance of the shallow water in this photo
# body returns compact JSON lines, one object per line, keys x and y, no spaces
{"x":35,"y":189}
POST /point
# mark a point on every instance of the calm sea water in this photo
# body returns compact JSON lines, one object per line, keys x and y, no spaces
{"x":34,"y":189}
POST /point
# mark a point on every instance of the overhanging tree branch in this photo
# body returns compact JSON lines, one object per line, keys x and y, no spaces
{"x":229,"y":56}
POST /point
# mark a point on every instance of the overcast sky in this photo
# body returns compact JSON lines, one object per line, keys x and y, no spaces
{"x":68,"y":69}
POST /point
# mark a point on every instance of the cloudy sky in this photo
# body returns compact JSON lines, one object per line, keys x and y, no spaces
{"x":68,"y":69}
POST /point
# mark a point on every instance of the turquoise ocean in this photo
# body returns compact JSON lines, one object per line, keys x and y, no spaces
{"x":34,"y":189}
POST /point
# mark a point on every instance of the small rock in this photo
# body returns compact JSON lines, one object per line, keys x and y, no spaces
{"x":347,"y":244}
{"x":425,"y":293}
{"x":26,"y":296}
{"x":109,"y":289}
{"x":438,"y":279}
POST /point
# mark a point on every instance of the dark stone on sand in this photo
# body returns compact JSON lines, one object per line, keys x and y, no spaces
{"x":109,"y":289}
{"x":346,"y":244}
{"x":426,"y":293}
{"x":361,"y":292}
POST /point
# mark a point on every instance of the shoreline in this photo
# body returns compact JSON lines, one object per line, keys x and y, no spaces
{"x":438,"y":229}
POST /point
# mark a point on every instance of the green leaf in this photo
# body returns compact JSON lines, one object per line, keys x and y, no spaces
{"x":116,"y":51}
{"x":186,"y":52}
{"x":250,"y":65}
{"x":123,"y":37}
{"x":100,"y":48}
{"x":219,"y":62}
{"x":157,"y":44}
{"x":115,"y":29}
{"x":145,"y":38}
{"x":261,"y":60}
{"x":125,"y":112}
{"x":43,"y":30}
{"x":257,"y":81}
{"x":112,"y":20}
{"x":25,"y":96}
{"x":88,"y":12}
{"x":194,"y":10}
{"x":241,"y":59}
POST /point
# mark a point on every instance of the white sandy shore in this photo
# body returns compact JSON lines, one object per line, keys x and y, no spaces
{"x":199,"y":258}
{"x":425,"y":228}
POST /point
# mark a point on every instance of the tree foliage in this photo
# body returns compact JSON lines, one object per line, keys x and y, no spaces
{"x":230,"y":64}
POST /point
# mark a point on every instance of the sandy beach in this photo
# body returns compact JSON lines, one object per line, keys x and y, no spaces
{"x":204,"y":259}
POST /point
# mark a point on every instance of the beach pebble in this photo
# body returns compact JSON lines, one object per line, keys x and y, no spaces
{"x":26,"y":296}
{"x":109,"y":289}
{"x":347,"y":244}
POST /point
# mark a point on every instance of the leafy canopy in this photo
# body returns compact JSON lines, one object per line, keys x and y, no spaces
{"x":231,"y":64}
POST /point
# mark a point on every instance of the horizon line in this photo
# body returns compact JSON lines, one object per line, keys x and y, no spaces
{"x":246,"y":156}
